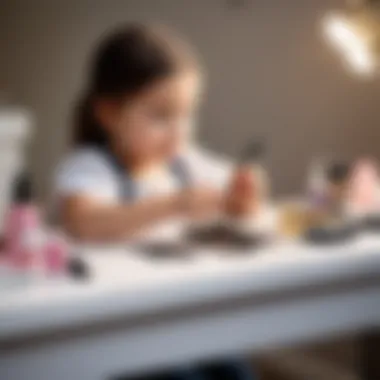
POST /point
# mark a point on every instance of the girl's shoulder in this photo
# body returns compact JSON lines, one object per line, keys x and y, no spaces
{"x":85,"y":157}
{"x":86,"y":168}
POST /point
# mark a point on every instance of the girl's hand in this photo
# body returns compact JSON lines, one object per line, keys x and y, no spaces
{"x":199,"y":202}
{"x":242,"y":195}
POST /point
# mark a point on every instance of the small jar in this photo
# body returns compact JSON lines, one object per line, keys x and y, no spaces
{"x":327,"y":187}
{"x":249,"y":186}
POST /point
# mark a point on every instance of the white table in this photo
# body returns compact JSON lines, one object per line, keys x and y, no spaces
{"x":136,"y":315}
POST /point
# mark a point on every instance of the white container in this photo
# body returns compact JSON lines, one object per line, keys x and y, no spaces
{"x":15,"y":126}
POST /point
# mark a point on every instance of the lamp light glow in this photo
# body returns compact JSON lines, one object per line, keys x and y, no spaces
{"x":354,"y":37}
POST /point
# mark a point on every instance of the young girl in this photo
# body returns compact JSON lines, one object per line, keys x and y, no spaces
{"x":134,"y":165}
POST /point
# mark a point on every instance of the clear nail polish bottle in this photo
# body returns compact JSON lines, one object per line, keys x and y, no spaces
{"x":249,"y":186}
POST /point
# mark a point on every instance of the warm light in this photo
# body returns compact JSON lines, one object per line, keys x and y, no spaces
{"x":352,"y":42}
{"x":362,"y":62}
{"x":341,"y":34}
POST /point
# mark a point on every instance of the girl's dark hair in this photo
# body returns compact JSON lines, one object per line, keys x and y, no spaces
{"x":127,"y":61}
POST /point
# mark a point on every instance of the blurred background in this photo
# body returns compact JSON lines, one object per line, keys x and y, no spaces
{"x":270,"y":74}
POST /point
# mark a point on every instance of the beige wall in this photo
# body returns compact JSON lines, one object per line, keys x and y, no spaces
{"x":270,"y":74}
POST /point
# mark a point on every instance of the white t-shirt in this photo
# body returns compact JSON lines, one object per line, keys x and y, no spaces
{"x":89,"y":171}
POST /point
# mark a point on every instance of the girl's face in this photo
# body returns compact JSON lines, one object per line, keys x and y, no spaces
{"x":156,"y":124}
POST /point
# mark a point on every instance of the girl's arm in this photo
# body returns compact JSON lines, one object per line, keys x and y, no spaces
{"x":89,"y":219}
{"x":85,"y":189}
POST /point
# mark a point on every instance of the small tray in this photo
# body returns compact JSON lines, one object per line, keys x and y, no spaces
{"x":331,"y":234}
{"x":224,"y":236}
{"x":371,"y":223}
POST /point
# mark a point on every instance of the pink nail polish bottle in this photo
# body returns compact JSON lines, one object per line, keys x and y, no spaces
{"x":55,"y":254}
{"x":23,"y":232}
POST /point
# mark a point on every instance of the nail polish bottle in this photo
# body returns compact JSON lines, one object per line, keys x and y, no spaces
{"x":317,"y":186}
{"x":23,"y":232}
{"x":337,"y":180}
{"x":363,"y":198}
{"x":55,"y":254}
{"x":327,"y":187}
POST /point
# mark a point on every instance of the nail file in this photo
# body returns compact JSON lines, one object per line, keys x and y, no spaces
{"x":166,"y":250}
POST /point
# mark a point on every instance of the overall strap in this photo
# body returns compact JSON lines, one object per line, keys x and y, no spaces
{"x":181,"y":172}
{"x":128,"y":187}
{"x":128,"y":190}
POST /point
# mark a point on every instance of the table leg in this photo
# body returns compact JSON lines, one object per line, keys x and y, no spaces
{"x":370,"y":355}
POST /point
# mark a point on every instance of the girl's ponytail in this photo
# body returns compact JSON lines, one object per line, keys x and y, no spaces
{"x":87,"y":131}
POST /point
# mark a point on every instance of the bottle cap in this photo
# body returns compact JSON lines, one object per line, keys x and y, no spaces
{"x":22,"y":189}
{"x":254,"y":151}
{"x":338,"y":172}
{"x":78,"y":268}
